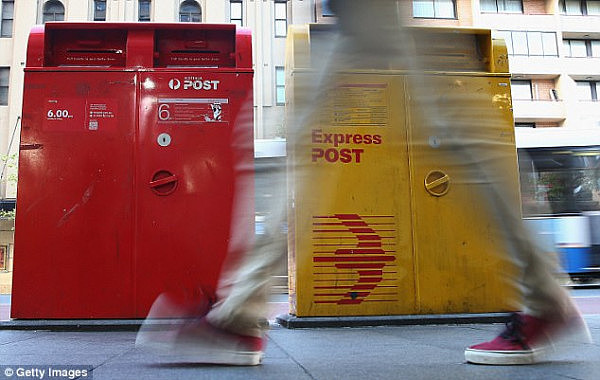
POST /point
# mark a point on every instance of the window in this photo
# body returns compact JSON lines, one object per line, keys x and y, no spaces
{"x":280,"y":18}
{"x":236,"y":12}
{"x":7,"y":18}
{"x":587,"y":90}
{"x":595,"y":45}
{"x":502,"y":6}
{"x":530,"y":43}
{"x":521,"y":89}
{"x":280,"y":85}
{"x":581,"y":7}
{"x":4,"y":77}
{"x":53,"y":10}
{"x":99,"y":10}
{"x":559,"y":180}
{"x":434,"y":9}
{"x":582,"y":48}
{"x":593,"y":8}
{"x":326,"y":10}
{"x":572,"y":7}
{"x":189,"y":11}
{"x":144,"y":10}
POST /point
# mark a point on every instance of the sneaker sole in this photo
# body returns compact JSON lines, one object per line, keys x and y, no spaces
{"x":503,"y":357}
{"x":191,"y":353}
{"x":201,"y":355}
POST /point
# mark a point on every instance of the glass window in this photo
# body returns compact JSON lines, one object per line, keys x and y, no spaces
{"x":489,"y":6}
{"x":423,"y":8}
{"x":529,"y":43}
{"x":549,"y":44}
{"x":7,"y":18}
{"x":584,"y":90}
{"x":4,"y":79}
{"x":281,"y":18}
{"x":53,"y":10}
{"x":280,"y":85}
{"x":434,"y":8}
{"x":534,"y":42}
{"x":236,"y":12}
{"x":326,"y":9}
{"x":559,"y":180}
{"x":573,"y":7}
{"x":511,"y":6}
{"x":593,"y":7}
{"x":99,"y":10}
{"x":502,"y":6}
{"x":444,"y":9}
{"x":144,"y":10}
{"x":189,"y":11}
{"x":521,"y":89}
{"x":595,"y":48}
{"x":578,"y":48}
{"x":519,"y":43}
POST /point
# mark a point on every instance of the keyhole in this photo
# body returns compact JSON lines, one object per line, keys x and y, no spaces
{"x":164,"y":139}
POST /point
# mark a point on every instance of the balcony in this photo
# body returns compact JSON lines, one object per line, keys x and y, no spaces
{"x":582,"y":24}
{"x":582,"y":67}
{"x":540,"y":66}
{"x":584,"y":114}
{"x":515,"y":21}
{"x":538,"y":110}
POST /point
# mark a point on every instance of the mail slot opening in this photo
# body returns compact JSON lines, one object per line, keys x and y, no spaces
{"x":85,"y":47}
{"x":195,"y":48}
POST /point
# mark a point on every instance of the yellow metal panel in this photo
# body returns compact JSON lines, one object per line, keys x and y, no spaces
{"x":352,"y":220}
{"x":468,"y":136}
{"x":386,"y":215}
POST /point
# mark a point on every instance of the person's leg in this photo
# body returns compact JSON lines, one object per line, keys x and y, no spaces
{"x":244,"y":288}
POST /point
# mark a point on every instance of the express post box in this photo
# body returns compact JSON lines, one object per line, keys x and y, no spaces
{"x":130,"y":140}
{"x":381,"y":219}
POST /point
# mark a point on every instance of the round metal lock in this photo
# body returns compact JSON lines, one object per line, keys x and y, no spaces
{"x":163,"y":182}
{"x":437,"y":183}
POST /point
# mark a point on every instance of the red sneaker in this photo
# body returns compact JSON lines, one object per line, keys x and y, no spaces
{"x":524,"y":341}
{"x":197,"y":341}
{"x":202,"y":342}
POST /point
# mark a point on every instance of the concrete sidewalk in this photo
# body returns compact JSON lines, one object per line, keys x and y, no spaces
{"x":392,"y":352}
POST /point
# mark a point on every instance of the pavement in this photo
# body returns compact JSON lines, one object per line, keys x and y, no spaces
{"x":384,"y":352}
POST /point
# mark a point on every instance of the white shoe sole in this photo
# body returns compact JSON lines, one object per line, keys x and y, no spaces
{"x":504,"y":357}
{"x":204,"y":355}
{"x":165,"y":344}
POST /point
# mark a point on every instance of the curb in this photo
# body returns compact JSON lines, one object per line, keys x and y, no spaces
{"x":290,"y":321}
{"x":73,"y":324}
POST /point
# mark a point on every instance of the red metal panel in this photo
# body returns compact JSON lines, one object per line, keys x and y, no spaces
{"x":127,"y":173}
{"x":73,"y":230}
{"x":195,"y":126}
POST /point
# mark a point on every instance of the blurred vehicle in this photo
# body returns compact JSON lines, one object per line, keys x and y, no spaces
{"x":560,"y":192}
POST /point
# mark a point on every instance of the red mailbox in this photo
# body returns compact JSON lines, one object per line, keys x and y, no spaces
{"x":130,"y":137}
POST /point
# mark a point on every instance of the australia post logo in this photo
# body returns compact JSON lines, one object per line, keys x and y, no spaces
{"x":194,"y":83}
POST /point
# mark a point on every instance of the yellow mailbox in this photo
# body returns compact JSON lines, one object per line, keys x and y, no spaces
{"x":384,"y":219}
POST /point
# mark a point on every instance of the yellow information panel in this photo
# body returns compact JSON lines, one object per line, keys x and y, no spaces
{"x":383,"y":218}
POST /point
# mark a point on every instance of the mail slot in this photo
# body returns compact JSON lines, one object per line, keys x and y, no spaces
{"x":130,"y":138}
